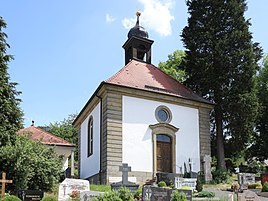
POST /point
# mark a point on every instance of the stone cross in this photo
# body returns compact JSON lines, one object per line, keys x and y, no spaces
{"x":4,"y":181}
{"x":207,"y":168}
{"x":125,"y":169}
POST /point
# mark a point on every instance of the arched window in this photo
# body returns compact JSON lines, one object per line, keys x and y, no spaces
{"x":90,"y":137}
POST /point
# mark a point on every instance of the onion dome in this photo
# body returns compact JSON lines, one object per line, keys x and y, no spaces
{"x":138,"y":30}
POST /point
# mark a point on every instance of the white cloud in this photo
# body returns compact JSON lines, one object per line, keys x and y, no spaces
{"x":156,"y":16}
{"x":109,"y":18}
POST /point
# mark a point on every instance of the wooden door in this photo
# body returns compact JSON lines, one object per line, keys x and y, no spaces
{"x":164,"y":156}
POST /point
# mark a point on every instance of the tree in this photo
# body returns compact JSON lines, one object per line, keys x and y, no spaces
{"x":30,"y":164}
{"x":10,"y":113}
{"x":259,"y":147}
{"x":173,"y":66}
{"x":221,"y":62}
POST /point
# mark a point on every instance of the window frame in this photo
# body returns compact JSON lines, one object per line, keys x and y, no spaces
{"x":90,"y":137}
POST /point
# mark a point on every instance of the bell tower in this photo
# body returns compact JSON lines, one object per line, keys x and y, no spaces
{"x":138,"y":46}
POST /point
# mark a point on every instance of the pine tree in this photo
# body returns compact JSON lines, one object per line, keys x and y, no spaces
{"x":10,"y":112}
{"x":221,"y":63}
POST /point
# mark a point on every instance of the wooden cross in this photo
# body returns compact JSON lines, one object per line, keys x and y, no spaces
{"x":4,"y":181}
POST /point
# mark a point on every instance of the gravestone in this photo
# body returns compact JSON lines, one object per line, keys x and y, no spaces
{"x":3,"y":182}
{"x":244,"y":179}
{"x":89,"y":195}
{"x":207,"y":168}
{"x":125,"y":183}
{"x":152,"y":193}
{"x":30,"y":195}
{"x":70,"y":185}
{"x":180,"y":182}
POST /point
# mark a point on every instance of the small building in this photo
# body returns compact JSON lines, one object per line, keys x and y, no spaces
{"x":61,"y":146}
{"x":143,"y":117}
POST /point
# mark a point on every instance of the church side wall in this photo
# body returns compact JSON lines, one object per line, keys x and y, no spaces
{"x":90,"y":166}
{"x":138,"y":114}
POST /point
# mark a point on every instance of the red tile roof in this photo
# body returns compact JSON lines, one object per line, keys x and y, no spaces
{"x":150,"y":78}
{"x":37,"y":134}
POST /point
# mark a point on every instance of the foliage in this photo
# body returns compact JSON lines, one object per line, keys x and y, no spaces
{"x":11,"y":198}
{"x":265,"y":187}
{"x":49,"y":198}
{"x":162,"y":184}
{"x":259,"y":147}
{"x":138,"y":194}
{"x":178,"y":196}
{"x":173,"y":66}
{"x":221,"y":176}
{"x":111,"y":195}
{"x":207,"y":194}
{"x":10,"y":113}
{"x":221,"y":63}
{"x":125,"y":194}
{"x":200,"y":182}
{"x":255,"y":186}
{"x":30,"y":164}
{"x":100,"y":188}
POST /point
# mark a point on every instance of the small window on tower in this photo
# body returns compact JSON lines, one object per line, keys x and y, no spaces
{"x":90,"y":137}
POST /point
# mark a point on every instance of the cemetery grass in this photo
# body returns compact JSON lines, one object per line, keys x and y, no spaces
{"x":100,"y":188}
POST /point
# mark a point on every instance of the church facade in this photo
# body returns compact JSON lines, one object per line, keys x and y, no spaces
{"x":143,"y":117}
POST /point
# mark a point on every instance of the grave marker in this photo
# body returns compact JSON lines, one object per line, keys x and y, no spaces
{"x":244,"y":179}
{"x":125,"y":169}
{"x":4,"y":182}
{"x":30,"y":195}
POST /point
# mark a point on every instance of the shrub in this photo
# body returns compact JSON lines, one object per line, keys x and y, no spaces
{"x":111,"y":195}
{"x":265,"y":187}
{"x":199,"y":182}
{"x":254,"y":186}
{"x":125,"y":194}
{"x":138,"y":194}
{"x":162,"y":184}
{"x":11,"y":198}
{"x":178,"y":196}
{"x":221,"y":176}
{"x":206,"y":194}
{"x":49,"y":198}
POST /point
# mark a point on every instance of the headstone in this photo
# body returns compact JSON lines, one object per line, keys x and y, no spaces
{"x":151,"y":193}
{"x":169,"y":178}
{"x":207,"y":168}
{"x":180,"y":182}
{"x":89,"y":195}
{"x":125,"y":183}
{"x":30,"y":195}
{"x":3,"y":181}
{"x":244,"y":179}
{"x":70,"y":185}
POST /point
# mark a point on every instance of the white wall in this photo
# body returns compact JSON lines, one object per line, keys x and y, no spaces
{"x":90,"y":165}
{"x":138,"y":114}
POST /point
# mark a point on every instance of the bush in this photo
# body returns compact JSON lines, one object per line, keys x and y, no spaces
{"x":49,"y":198}
{"x":199,"y":182}
{"x":178,"y":196}
{"x":125,"y":194}
{"x":162,"y":184}
{"x":265,"y":187}
{"x":138,"y":194}
{"x":206,"y":194}
{"x":11,"y":198}
{"x":111,"y":195}
{"x":221,"y":176}
{"x":254,"y":186}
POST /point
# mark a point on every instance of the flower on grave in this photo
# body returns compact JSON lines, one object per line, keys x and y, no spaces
{"x":75,"y":195}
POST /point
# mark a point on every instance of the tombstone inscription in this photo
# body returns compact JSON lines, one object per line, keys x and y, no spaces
{"x":30,"y":195}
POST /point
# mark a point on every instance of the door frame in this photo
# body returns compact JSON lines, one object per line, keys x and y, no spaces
{"x":169,"y":130}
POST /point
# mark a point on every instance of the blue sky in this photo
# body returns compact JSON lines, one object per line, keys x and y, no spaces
{"x":63,"y":49}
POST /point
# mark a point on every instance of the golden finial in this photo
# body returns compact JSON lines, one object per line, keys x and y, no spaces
{"x":138,"y":13}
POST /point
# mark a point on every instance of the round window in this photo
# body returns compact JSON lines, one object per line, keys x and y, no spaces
{"x":163,"y":114}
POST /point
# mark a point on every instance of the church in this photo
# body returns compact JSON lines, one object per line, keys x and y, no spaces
{"x":143,"y":117}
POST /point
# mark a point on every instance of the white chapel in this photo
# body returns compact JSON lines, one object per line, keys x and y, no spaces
{"x":143,"y":117}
